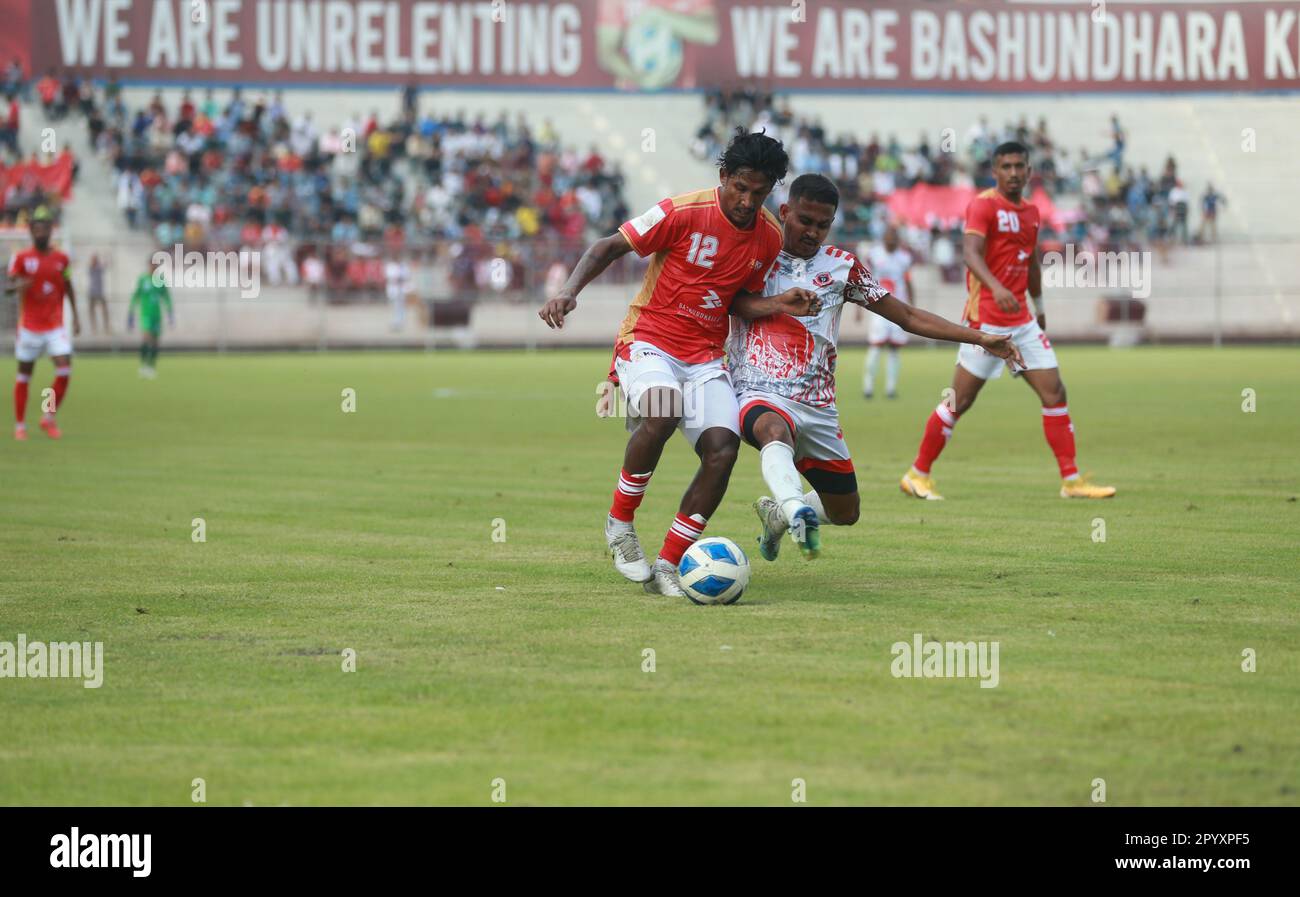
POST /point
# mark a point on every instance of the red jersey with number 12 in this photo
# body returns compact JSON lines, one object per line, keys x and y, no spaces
{"x":701,"y":260}
{"x":42,"y":302}
{"x":1010,"y":233}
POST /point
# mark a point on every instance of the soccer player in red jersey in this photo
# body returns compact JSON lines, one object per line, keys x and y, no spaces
{"x":1000,"y":251}
{"x":712,"y":251}
{"x":42,"y":278}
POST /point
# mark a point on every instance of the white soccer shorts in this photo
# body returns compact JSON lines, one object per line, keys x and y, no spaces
{"x":1029,"y":339}
{"x":703,"y":396}
{"x":820,"y":452}
{"x":32,"y":344}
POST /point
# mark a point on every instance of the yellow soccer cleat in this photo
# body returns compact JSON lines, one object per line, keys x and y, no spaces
{"x":919,"y":485}
{"x":1083,"y":487}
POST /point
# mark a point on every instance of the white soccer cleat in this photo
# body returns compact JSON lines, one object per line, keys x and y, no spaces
{"x":805,"y":530}
{"x":664,"y":581}
{"x":774,"y":527}
{"x":625,"y":548}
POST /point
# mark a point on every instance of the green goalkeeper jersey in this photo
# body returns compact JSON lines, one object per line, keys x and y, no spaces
{"x":148,"y":301}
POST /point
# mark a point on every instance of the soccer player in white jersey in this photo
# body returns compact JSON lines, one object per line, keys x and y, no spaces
{"x":892,"y":265}
{"x":783,"y":369}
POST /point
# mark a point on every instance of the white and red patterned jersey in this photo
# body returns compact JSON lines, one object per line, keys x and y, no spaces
{"x":795,"y":357}
{"x":891,"y":269}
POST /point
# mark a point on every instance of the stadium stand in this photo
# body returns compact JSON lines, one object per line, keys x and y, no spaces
{"x":1254,"y":272}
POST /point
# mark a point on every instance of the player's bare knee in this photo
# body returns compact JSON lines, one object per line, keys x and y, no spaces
{"x":660,"y":429}
{"x":847,"y":516}
{"x":718,"y":454}
{"x":771,"y":428}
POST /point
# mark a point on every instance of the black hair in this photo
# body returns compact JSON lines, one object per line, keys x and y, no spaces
{"x":1012,"y":148}
{"x":756,"y":151}
{"x":815,"y":188}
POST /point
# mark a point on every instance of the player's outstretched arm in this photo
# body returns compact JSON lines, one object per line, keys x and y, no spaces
{"x":927,"y":324}
{"x":599,"y":256}
{"x":794,"y":301}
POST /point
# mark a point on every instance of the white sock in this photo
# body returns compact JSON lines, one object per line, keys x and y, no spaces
{"x":814,"y":501}
{"x":777,"y":462}
{"x":892,"y":365}
{"x":618,"y":526}
{"x":873,"y":363}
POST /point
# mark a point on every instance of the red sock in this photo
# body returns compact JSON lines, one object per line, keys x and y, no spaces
{"x":681,"y":535}
{"x":1060,"y":436}
{"x":60,"y":385}
{"x":20,"y":397}
{"x":938,"y":429}
{"x":628,"y":494}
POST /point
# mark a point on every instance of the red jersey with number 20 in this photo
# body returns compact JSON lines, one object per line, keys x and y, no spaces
{"x":42,"y":303}
{"x":1010,"y":233}
{"x":701,"y":260}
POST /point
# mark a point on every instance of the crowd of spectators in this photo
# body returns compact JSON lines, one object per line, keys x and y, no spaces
{"x":1105,"y":203}
{"x":26,"y":183}
{"x":488,"y":195}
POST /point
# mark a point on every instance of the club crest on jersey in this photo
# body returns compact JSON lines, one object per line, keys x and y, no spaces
{"x":31,"y":265}
{"x":823,"y":279}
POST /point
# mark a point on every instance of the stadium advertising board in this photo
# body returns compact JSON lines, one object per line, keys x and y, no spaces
{"x":978,"y":48}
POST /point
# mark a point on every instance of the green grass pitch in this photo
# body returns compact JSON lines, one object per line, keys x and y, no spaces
{"x":522,"y":659}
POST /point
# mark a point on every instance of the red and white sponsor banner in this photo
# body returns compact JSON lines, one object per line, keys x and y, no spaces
{"x":927,"y":205}
{"x":55,"y":177}
{"x":969,"y":47}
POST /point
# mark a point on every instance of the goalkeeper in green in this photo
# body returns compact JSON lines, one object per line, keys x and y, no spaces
{"x":149,"y":299}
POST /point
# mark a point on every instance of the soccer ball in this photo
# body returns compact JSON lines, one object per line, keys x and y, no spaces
{"x":714,"y":571}
{"x":654,"y":52}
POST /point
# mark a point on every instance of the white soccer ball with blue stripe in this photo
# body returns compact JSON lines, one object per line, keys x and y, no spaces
{"x":714,"y":571}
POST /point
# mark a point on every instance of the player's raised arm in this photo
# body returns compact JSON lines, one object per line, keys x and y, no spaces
{"x":599,"y":256}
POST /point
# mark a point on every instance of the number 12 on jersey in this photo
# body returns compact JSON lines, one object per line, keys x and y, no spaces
{"x":703,"y":249}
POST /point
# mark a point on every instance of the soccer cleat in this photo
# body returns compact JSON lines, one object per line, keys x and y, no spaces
{"x":1082,"y":487}
{"x":20,"y":432}
{"x":625,"y":548}
{"x":774,"y":527}
{"x":868,"y":393}
{"x":663,"y":580}
{"x":805,"y":530}
{"x":51,"y":428}
{"x":919,"y":485}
